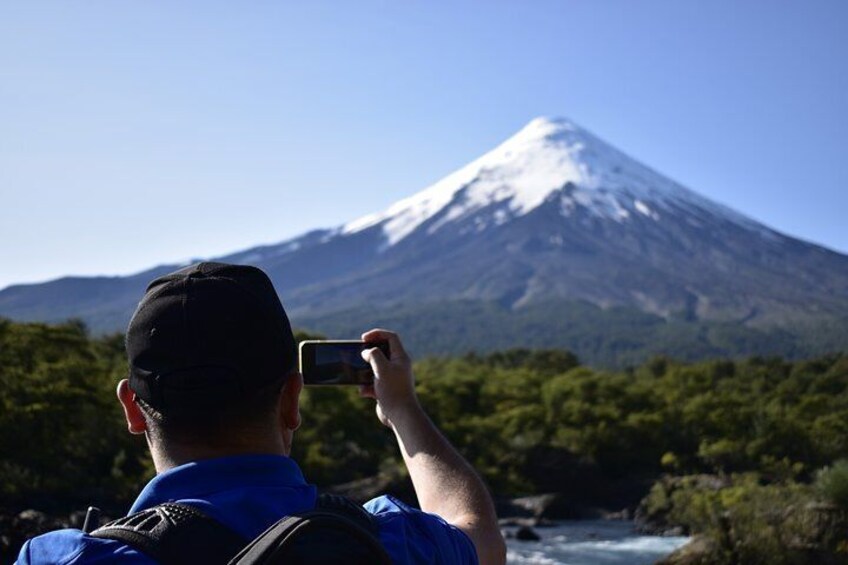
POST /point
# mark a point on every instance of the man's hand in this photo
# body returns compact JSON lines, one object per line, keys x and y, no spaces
{"x":394,"y":384}
{"x":444,"y":482}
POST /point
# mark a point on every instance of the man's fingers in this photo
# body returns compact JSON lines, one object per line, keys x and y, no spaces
{"x":395,"y":346}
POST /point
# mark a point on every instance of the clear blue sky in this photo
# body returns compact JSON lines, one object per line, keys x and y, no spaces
{"x":137,"y":133}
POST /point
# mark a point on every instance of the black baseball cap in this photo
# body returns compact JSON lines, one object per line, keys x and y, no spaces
{"x":208,"y":335}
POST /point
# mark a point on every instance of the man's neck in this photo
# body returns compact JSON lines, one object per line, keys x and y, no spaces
{"x":176,"y":455}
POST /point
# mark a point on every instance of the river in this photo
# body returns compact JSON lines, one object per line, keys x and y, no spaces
{"x":591,"y":542}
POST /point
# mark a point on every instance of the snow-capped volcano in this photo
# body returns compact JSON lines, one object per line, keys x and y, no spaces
{"x":525,"y":171}
{"x":553,"y":238}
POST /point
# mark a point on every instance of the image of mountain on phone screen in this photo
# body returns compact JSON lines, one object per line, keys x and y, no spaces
{"x":337,"y":362}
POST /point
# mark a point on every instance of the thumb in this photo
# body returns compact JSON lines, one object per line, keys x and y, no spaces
{"x":375,"y":357}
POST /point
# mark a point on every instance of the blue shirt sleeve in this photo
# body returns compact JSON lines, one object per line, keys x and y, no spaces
{"x":411,"y":536}
{"x":65,"y":547}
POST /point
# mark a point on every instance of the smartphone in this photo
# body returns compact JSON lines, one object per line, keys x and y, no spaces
{"x":337,"y":362}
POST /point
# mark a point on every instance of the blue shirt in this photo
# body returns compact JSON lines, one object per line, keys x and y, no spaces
{"x":248,"y":493}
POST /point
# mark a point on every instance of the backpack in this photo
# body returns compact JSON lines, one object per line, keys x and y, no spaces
{"x":336,"y":531}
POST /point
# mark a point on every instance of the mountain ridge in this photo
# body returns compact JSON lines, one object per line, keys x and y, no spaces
{"x":553,"y":215}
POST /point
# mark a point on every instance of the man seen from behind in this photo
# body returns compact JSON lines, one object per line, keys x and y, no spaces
{"x":214,"y":388}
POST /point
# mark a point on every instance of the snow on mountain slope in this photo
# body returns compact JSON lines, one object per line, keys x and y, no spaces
{"x":547,"y":155}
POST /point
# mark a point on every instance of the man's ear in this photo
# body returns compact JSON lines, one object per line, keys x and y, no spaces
{"x":136,"y":423}
{"x":290,"y":401}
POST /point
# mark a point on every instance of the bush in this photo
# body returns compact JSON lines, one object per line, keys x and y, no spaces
{"x":749,"y":522}
{"x":832,"y":483}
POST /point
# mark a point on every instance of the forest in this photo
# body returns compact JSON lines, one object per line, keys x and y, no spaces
{"x":717,"y":448}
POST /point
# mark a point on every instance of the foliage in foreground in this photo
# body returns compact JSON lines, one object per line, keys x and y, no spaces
{"x":747,"y":521}
{"x":530,"y":421}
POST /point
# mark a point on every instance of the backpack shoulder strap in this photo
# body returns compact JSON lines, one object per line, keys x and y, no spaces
{"x":338,"y":504}
{"x":338,"y":531}
{"x":173,"y":533}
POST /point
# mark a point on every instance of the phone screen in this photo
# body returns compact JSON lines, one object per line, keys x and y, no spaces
{"x":336,"y":362}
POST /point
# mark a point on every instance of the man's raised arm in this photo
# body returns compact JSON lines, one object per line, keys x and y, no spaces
{"x":444,"y":482}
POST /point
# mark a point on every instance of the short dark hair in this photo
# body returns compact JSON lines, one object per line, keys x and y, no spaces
{"x":232,"y":422}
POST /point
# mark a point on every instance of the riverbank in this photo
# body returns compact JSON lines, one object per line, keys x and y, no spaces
{"x":741,"y":519}
{"x":591,"y":542}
